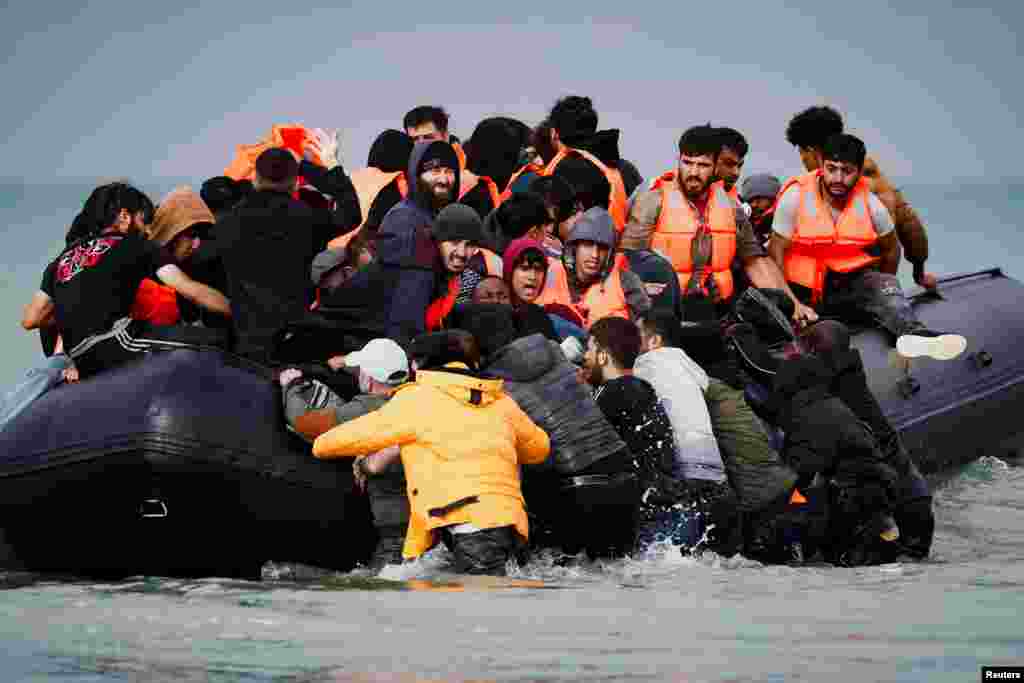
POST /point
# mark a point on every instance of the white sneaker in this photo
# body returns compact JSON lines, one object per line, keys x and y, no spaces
{"x":937,"y":346}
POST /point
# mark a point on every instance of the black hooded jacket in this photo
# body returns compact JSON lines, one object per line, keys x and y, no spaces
{"x":390,"y":296}
{"x":267,"y":244}
{"x":822,"y":433}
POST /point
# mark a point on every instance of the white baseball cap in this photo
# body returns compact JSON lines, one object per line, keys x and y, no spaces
{"x":381,"y":359}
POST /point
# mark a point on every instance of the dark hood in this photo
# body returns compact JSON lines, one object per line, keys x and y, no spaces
{"x":415,"y":162}
{"x":604,"y":144}
{"x":525,"y":359}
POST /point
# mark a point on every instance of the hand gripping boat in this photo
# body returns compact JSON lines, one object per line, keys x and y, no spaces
{"x":181,"y":464}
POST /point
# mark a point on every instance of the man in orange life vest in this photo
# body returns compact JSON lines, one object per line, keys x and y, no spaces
{"x":687,"y":217}
{"x":808,"y":131}
{"x":835,"y":240}
{"x":588,"y":283}
{"x":571,"y":132}
{"x":731,"y":156}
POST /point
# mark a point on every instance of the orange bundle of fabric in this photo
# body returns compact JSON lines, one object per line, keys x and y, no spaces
{"x":291,"y":136}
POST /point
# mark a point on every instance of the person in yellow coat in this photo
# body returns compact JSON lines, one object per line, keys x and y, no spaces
{"x":461,"y":440}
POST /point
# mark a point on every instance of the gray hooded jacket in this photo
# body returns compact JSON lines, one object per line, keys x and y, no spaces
{"x":539,"y":378}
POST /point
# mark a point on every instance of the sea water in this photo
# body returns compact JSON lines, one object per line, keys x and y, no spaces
{"x":657,"y":617}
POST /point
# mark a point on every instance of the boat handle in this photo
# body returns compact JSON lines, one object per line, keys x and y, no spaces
{"x":159,"y":513}
{"x":908,"y":386}
{"x":982,"y":359}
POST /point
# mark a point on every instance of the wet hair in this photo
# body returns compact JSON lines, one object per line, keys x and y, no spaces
{"x":734,"y":140}
{"x":664,"y":323}
{"x":390,"y":151}
{"x":436,"y":349}
{"x":103,"y":206}
{"x":519,"y":214}
{"x":620,"y":338}
{"x":591,"y":186}
{"x":494,"y":148}
{"x":813,"y":126}
{"x":846,"y":149}
{"x":556,"y":192}
{"x":700,"y":141}
{"x":574,"y":118}
{"x":426,"y":114}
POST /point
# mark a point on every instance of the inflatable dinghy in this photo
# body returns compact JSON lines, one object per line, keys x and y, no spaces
{"x":180,"y":463}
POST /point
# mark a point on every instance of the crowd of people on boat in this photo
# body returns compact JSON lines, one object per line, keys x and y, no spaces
{"x":523,"y":343}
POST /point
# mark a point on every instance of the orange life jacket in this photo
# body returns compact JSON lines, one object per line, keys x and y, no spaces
{"x":439,"y":309}
{"x":529,"y":168}
{"x":619,"y":201}
{"x":601,"y":300}
{"x":492,"y":262}
{"x":467,"y":181}
{"x":368,"y":183}
{"x":290,"y":136}
{"x":155,"y":303}
{"x":819,"y":244}
{"x":460,"y":154}
{"x":734,"y":194}
{"x":678,"y":224}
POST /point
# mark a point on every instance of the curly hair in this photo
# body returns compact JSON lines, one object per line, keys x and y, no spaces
{"x":734,"y":140}
{"x":574,"y":118}
{"x":813,"y":126}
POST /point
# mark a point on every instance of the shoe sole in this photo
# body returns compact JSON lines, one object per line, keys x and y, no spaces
{"x":943,"y":347}
{"x":890,"y":535}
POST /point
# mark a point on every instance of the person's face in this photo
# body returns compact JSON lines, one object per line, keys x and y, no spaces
{"x":593,"y":361}
{"x":184,"y":245}
{"x":425,"y":132}
{"x":590,"y":258}
{"x":491,"y":291}
{"x":455,"y":254}
{"x":439,"y":183}
{"x":528,"y":278}
{"x":759,"y":206}
{"x":729,"y":167}
{"x":839,"y":177}
{"x":695,"y":174}
{"x":811,"y":158}
{"x":648,"y":342}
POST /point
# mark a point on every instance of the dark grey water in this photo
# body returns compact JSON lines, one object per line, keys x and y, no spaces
{"x":660,"y":617}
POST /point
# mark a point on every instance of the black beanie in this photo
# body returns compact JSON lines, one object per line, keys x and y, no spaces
{"x":390,"y":151}
{"x":457,"y":222}
{"x":437,"y":153}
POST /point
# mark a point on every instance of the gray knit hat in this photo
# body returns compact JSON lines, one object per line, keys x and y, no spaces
{"x":760,"y":185}
{"x":595,"y":225}
{"x":458,"y":222}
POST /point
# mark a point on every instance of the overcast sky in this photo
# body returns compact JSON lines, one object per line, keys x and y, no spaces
{"x":145,"y":89}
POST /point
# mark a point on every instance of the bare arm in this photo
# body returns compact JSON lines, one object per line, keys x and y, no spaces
{"x":39,"y":312}
{"x":765,"y":272}
{"x":202,"y":295}
{"x":890,"y":247}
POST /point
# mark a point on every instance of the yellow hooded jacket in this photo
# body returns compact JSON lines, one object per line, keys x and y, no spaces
{"x":460,"y":437}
